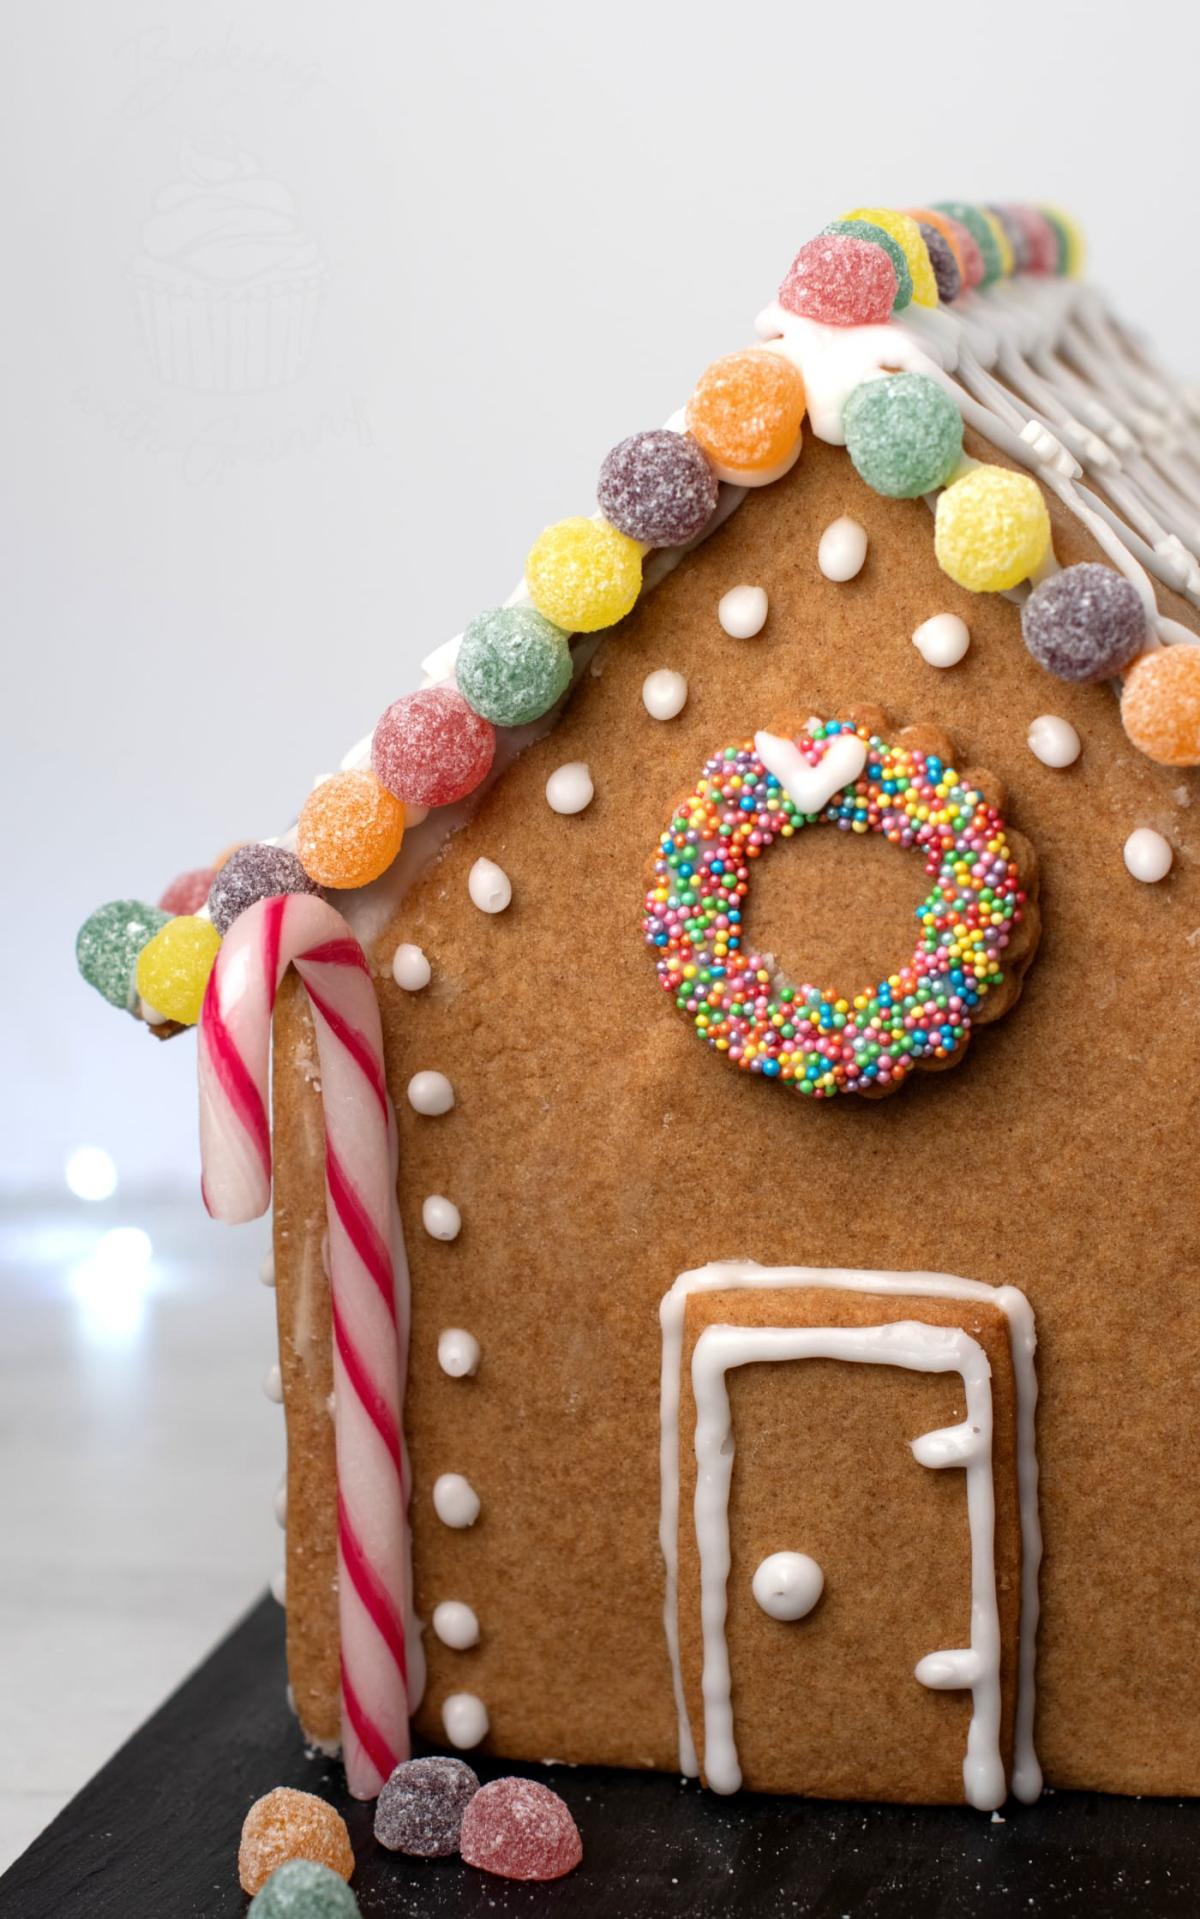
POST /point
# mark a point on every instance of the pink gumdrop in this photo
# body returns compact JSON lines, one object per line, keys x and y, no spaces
{"x":188,"y":892}
{"x":520,"y":1830}
{"x":841,"y":282}
{"x":1040,"y":238}
{"x":430,"y":748}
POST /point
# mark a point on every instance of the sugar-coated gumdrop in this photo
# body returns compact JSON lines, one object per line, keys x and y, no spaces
{"x":943,"y":260}
{"x":840,"y":281}
{"x":350,"y":830}
{"x":992,"y":529}
{"x":188,"y":891}
{"x":107,"y":947}
{"x":959,"y":238}
{"x":1041,"y":241}
{"x":658,"y":487}
{"x":512,"y":665}
{"x":879,"y":237}
{"x":420,"y":1809}
{"x":173,"y":967}
{"x":255,"y":872}
{"x":906,"y":233}
{"x":286,"y":1824}
{"x":304,"y":1889}
{"x":431,"y":748}
{"x":1014,"y":234}
{"x":583,"y":574}
{"x":981,"y":231}
{"x":519,"y":1829}
{"x":1085,"y":623}
{"x":1069,"y":238}
{"x":903,"y":433}
{"x":746,"y":410}
{"x":1160,"y":705}
{"x":227,"y":853}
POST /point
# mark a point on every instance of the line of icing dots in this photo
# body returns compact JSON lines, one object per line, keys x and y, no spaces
{"x":660,"y":489}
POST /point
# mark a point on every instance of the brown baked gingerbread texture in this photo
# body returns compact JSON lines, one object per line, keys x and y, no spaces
{"x":597,"y":1150}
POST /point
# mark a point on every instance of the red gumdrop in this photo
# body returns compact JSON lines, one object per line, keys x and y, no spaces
{"x":840,"y":281}
{"x":520,"y":1830}
{"x":430,"y":748}
{"x":188,"y":892}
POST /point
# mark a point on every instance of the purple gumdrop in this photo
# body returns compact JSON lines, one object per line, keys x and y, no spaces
{"x":1085,"y":623}
{"x":420,"y":1808}
{"x":255,"y":872}
{"x":658,"y":487}
{"x":943,"y":262}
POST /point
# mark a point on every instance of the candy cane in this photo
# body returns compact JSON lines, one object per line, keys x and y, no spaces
{"x":368,"y":1285}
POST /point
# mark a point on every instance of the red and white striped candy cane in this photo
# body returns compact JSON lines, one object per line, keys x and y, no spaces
{"x":367,"y":1273}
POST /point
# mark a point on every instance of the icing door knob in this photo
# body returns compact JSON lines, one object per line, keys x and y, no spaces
{"x":788,"y":1585}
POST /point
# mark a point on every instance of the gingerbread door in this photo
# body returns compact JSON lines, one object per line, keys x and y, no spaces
{"x":850,"y":1531}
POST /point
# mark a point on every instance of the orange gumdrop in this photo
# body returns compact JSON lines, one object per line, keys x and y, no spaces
{"x":746,"y":412}
{"x":286,"y":1824}
{"x":350,"y":830}
{"x":227,"y":853}
{"x":1160,"y":705}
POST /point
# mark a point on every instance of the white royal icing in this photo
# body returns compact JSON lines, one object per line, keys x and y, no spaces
{"x":842,"y":549}
{"x":743,"y":612}
{"x":464,"y":1720}
{"x":456,"y":1625}
{"x":458,"y":1353}
{"x":430,"y":1093}
{"x":942,"y":640}
{"x":273,"y":1384}
{"x":788,"y":1585}
{"x":569,"y":788}
{"x":266,"y":1271}
{"x":1148,"y":855}
{"x":441,"y":1217}
{"x":410,"y":968}
{"x":664,"y":693}
{"x":489,"y":886}
{"x":812,"y":787}
{"x":279,"y":1586}
{"x":1053,"y":741}
{"x":455,"y":1500}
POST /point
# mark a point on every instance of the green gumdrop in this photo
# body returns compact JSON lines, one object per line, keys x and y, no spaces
{"x":972,"y":218}
{"x":903,"y":433}
{"x":512,"y":665}
{"x":303,"y":1889}
{"x":108,"y":944}
{"x":867,"y":230}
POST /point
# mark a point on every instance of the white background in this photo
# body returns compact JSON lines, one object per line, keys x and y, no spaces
{"x":540,"y":223}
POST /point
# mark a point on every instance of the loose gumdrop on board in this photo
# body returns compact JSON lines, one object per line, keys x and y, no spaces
{"x":286,"y":1824}
{"x":746,"y":410}
{"x":304,"y":1889}
{"x":942,"y":258}
{"x":992,"y":529}
{"x":350,"y":830}
{"x":981,"y":231}
{"x":188,"y":891}
{"x":420,"y":1809}
{"x":431,"y":747}
{"x":904,"y":434}
{"x":1160,"y":705}
{"x":512,"y":665}
{"x":173,"y":967}
{"x":840,"y":281}
{"x":907,"y":234}
{"x":879,"y":237}
{"x":255,"y":872}
{"x":658,"y":487}
{"x":107,"y":947}
{"x":1085,"y":623}
{"x":584,"y":575}
{"x":519,"y":1829}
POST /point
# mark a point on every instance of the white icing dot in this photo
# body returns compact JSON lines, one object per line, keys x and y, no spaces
{"x":489,"y":886}
{"x":464,"y":1720}
{"x":842,"y":550}
{"x":458,"y":1353}
{"x":1053,"y":741}
{"x":441,"y":1217}
{"x":943,"y":640}
{"x":266,"y":1271}
{"x":456,"y":1625}
{"x":1148,"y":855}
{"x":788,"y":1585}
{"x":664,"y":693}
{"x":410,"y":968}
{"x":150,"y":1014}
{"x":430,"y":1093}
{"x":273,"y":1384}
{"x":281,"y":1504}
{"x":414,"y":814}
{"x":570,"y":789}
{"x":455,"y":1500}
{"x":279,"y":1586}
{"x":743,"y":611}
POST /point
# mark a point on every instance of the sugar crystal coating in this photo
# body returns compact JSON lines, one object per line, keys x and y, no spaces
{"x":746,"y":409}
{"x":188,"y":892}
{"x":1160,"y":705}
{"x":904,"y":434}
{"x":420,"y":1809}
{"x":255,"y":872}
{"x":1040,"y":239}
{"x":1085,"y":623}
{"x":1014,"y":233}
{"x":431,"y":748}
{"x":981,"y":231}
{"x":107,"y":947}
{"x":304,"y":1889}
{"x":879,"y":237}
{"x":173,"y":967}
{"x":906,"y":233}
{"x":519,"y":1829}
{"x":512,"y":665}
{"x":992,"y":529}
{"x":840,"y":281}
{"x":286,"y":1824}
{"x":960,"y":238}
{"x":658,"y":487}
{"x":942,"y":259}
{"x":350,"y":830}
{"x":584,"y":575}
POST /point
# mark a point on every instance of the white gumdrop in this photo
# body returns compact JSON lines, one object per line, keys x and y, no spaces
{"x":842,"y":549}
{"x":458,"y":1353}
{"x":441,"y":1217}
{"x":1053,"y":741}
{"x":1148,"y":855}
{"x":430,"y":1093}
{"x":489,"y":886}
{"x":570,"y":789}
{"x":664,"y":693}
{"x":743,"y":611}
{"x":456,"y":1624}
{"x":464,"y":1720}
{"x":410,"y":968}
{"x":455,"y":1500}
{"x":943,"y":640}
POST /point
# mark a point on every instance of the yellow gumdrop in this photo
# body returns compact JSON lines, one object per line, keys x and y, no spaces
{"x":907,"y":235}
{"x":1007,"y":257}
{"x":1072,"y":233}
{"x":992,"y":529}
{"x":349,"y":831}
{"x":173,"y":967}
{"x":583,"y":574}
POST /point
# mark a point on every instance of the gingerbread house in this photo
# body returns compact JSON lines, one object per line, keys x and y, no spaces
{"x":727,"y":1020}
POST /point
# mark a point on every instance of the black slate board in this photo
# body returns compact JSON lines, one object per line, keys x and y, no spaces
{"x":155,"y":1834}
